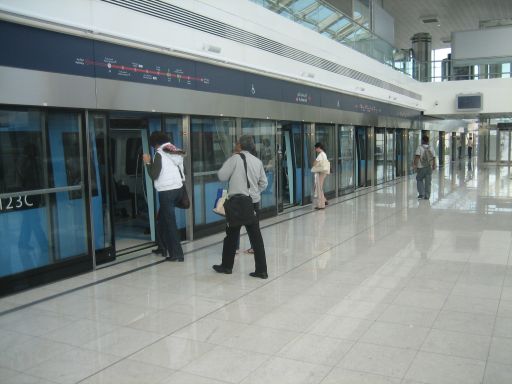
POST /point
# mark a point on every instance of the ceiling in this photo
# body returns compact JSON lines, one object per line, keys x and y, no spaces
{"x":453,"y":15}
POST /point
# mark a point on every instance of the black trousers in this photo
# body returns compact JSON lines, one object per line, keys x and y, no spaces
{"x":168,"y":229}
{"x":230,"y":241}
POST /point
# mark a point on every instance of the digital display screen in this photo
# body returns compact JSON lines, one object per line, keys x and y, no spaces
{"x":465,"y":102}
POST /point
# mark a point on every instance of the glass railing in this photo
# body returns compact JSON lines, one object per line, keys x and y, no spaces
{"x":328,"y":21}
{"x":321,"y":17}
{"x":452,"y":70}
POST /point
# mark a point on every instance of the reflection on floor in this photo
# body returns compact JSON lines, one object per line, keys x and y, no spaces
{"x":381,"y":288}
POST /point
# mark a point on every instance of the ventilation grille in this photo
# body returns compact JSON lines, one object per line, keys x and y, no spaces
{"x":166,"y":11}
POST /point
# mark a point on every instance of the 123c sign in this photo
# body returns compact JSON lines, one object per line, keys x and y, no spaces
{"x":17,"y":203}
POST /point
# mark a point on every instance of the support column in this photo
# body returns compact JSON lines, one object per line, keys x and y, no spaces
{"x":422,"y":56}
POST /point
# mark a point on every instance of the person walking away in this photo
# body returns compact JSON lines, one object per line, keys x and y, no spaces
{"x":234,"y":171}
{"x":470,"y":147}
{"x":166,"y":171}
{"x":320,"y":176}
{"x":424,"y":164}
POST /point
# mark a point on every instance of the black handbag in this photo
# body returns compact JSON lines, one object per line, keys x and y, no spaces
{"x":184,"y":201}
{"x":240,"y":208}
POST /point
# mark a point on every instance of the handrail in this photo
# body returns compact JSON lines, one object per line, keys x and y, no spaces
{"x":40,"y":191}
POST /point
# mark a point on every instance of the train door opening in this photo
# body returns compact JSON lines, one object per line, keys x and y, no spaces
{"x":132,"y":196}
{"x":294,"y":160}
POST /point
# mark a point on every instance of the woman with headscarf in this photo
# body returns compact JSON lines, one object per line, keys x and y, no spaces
{"x":166,"y":171}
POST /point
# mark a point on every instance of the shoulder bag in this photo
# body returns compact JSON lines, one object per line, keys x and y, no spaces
{"x":240,"y":208}
{"x":184,"y":201}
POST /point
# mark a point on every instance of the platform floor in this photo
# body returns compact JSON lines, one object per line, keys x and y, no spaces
{"x":378,"y":288}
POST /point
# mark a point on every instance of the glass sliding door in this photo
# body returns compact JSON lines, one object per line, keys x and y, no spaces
{"x":294,"y":161}
{"x":346,"y":158}
{"x":173,"y":127}
{"x":326,"y":134}
{"x":361,"y":157}
{"x":390,"y":155}
{"x":399,"y":144}
{"x":264,"y":133}
{"x":504,"y":145}
{"x":43,"y":226}
{"x":101,"y":187}
{"x":414,"y":141}
{"x":379,"y":153}
{"x":212,"y":141}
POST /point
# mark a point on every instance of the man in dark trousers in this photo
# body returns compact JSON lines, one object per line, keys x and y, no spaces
{"x":424,"y":164}
{"x":233,"y":170}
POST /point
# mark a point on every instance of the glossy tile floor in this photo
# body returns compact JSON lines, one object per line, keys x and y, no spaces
{"x":378,"y":288}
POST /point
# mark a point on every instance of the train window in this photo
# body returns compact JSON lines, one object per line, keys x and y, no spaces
{"x":21,"y":156}
{"x":211,"y":144}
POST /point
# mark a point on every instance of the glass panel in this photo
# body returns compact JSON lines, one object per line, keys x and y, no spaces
{"x":414,"y":141}
{"x":493,"y":134}
{"x":346,"y":157}
{"x":99,"y":177}
{"x":390,"y":155}
{"x":212,"y":142}
{"x":379,"y":155}
{"x":362,"y":156}
{"x":362,"y":12}
{"x":173,"y":126}
{"x":44,"y":228}
{"x":307,"y":162}
{"x":264,"y":135}
{"x":325,"y":134}
{"x":300,"y":5}
{"x":504,"y":145}
{"x":399,"y":145}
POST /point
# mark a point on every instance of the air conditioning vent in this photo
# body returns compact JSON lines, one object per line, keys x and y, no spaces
{"x":430,"y":20}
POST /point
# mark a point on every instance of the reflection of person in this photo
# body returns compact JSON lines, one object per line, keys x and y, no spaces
{"x":424,"y":164}
{"x":27,"y":171}
{"x":470,"y":146}
{"x":320,"y":177}
{"x":459,"y":146}
{"x":166,"y":169}
{"x":266,"y":155}
{"x":233,"y":170}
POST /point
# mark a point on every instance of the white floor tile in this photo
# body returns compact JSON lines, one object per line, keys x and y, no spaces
{"x":130,"y":372}
{"x":457,"y":344}
{"x":172,"y":352}
{"x":283,"y":371}
{"x":226,"y":364}
{"x":380,"y":360}
{"x":345,"y":376}
{"x":497,"y":374}
{"x":315,"y":349}
{"x":441,"y":369}
{"x":395,"y":335}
